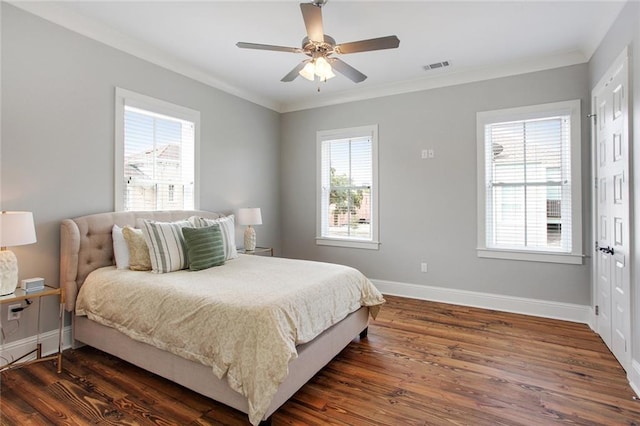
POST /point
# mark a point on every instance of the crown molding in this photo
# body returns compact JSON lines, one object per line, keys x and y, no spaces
{"x":75,"y":22}
{"x":66,"y":18}
{"x":443,"y":79}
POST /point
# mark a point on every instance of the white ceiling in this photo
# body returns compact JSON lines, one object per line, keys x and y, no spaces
{"x":481,"y":39}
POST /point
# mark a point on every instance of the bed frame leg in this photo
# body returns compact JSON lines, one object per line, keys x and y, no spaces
{"x":364,"y":333}
{"x":266,"y":422}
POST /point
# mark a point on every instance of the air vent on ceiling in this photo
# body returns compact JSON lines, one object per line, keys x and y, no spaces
{"x":436,"y":65}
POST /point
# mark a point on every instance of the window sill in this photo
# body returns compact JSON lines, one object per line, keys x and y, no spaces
{"x":550,"y":257}
{"x":337,"y":242}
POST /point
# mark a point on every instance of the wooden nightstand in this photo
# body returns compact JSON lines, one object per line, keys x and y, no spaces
{"x":20,"y":295}
{"x":259,"y":251}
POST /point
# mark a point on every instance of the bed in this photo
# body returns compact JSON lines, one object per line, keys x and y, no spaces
{"x":87,"y":251}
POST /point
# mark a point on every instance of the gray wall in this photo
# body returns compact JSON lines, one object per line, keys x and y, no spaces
{"x":626,"y":32}
{"x":57,"y":152}
{"x":428,"y":207}
{"x":57,"y":158}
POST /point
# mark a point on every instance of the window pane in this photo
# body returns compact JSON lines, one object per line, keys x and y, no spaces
{"x":528,"y":205}
{"x":350,"y":176}
{"x":158,"y":161}
{"x":536,"y":217}
{"x":543,"y":146}
{"x":360,"y":225}
{"x":508,"y":218}
{"x":339,"y":160}
{"x":361,"y":162}
{"x":339,"y":212}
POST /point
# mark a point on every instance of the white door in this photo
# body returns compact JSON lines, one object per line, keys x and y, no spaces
{"x":611,"y":195}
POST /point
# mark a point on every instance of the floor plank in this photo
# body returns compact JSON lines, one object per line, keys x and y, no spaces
{"x":423,"y":363}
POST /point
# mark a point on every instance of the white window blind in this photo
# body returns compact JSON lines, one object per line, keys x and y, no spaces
{"x":529,"y":181}
{"x":347,"y":186}
{"x":156,"y":162}
{"x":529,"y":184}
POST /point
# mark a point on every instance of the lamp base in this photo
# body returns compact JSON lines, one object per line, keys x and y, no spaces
{"x":8,"y":272}
{"x":250,"y":239}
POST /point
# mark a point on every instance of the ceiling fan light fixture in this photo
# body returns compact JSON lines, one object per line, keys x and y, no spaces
{"x":328,"y":75}
{"x":308,"y":71}
{"x":323,"y":69}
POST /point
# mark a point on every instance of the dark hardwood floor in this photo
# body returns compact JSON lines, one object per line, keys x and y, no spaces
{"x":423,"y":363}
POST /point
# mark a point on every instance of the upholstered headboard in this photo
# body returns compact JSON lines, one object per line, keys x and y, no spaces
{"x":86,"y":244}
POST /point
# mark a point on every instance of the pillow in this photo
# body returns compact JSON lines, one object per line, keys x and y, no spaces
{"x":138,"y":250}
{"x":227,"y":227}
{"x":166,"y":245}
{"x":205,"y":247}
{"x":120,"y":248}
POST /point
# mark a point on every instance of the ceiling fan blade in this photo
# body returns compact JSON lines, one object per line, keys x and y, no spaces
{"x":294,"y":72}
{"x":243,"y":45}
{"x":347,"y":70}
{"x":389,"y":42}
{"x":312,"y":16}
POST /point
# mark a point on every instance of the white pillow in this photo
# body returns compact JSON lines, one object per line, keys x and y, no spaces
{"x":228,"y":229}
{"x":120,"y":248}
{"x":167,"y":248}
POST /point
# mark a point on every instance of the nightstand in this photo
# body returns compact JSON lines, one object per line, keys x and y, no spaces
{"x":19,"y":296}
{"x":259,"y":251}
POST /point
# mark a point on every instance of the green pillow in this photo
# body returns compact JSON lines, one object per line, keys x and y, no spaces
{"x":205,"y":247}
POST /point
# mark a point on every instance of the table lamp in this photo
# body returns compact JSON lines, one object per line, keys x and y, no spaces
{"x":16,"y":229}
{"x":250,"y":216}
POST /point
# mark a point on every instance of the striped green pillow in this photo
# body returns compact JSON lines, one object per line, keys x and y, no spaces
{"x":205,"y":247}
{"x":166,"y":245}
{"x":227,"y":227}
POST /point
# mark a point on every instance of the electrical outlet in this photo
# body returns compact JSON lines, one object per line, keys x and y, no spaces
{"x":427,"y":153}
{"x":423,"y":267}
{"x":13,"y":315}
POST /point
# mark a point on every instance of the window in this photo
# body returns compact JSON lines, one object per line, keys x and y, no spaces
{"x":347,"y":187}
{"x":156,"y":148}
{"x":529,"y":183}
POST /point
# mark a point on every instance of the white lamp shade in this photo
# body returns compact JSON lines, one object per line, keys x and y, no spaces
{"x":16,"y":229}
{"x":250,"y":216}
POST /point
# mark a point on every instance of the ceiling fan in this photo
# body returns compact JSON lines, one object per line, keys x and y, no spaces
{"x":320,"y":48}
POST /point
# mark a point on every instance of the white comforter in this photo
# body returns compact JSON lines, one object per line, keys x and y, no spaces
{"x":243,"y":318}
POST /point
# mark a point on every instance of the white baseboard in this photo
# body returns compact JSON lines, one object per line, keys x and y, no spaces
{"x":519,"y":305}
{"x":634,"y":377}
{"x":49,"y":340}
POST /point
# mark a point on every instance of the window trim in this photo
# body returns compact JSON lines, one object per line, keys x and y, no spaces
{"x":129,"y":98}
{"x":571,"y":108}
{"x":345,"y":133}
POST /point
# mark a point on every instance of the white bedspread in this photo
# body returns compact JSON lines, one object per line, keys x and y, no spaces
{"x":243,"y":318}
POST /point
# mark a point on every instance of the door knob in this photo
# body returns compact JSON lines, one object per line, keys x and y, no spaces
{"x":607,"y":250}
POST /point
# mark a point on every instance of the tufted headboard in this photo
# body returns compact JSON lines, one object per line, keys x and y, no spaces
{"x":86,"y":244}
